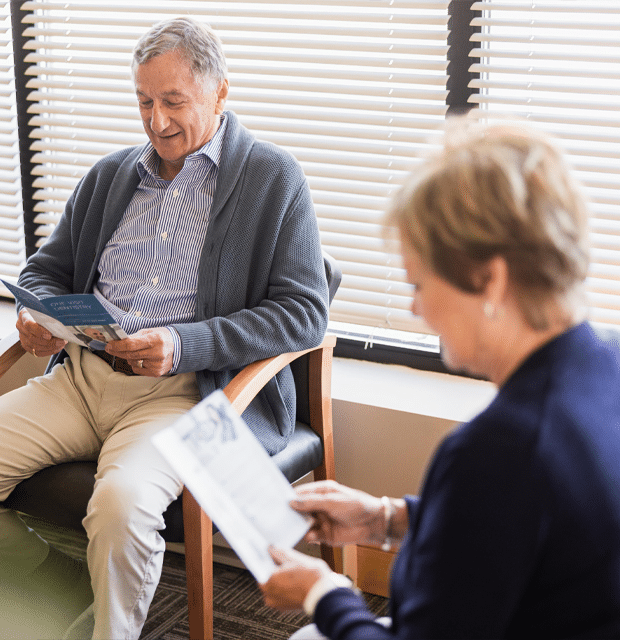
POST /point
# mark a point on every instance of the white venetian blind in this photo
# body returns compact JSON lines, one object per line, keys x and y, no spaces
{"x":557,"y":62}
{"x":12,"y":251}
{"x":352,"y":88}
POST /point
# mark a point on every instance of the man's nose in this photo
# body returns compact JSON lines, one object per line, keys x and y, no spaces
{"x":159,"y":119}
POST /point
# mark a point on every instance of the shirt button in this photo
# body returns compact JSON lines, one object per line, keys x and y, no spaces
{"x":164,"y":235}
{"x":155,"y":280}
{"x":175,"y":193}
{"x":138,"y":314}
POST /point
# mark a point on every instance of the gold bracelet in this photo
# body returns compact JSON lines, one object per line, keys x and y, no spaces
{"x":388,"y":512}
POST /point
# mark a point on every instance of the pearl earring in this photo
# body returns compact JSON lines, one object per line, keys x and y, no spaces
{"x":489,"y":310}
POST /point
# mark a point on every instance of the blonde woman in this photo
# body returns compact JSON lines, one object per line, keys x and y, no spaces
{"x":516,"y":532}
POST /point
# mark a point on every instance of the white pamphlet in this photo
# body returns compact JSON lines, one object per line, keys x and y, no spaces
{"x":234,"y":480}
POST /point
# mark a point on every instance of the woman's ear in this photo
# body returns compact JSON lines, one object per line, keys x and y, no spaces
{"x":492,"y":280}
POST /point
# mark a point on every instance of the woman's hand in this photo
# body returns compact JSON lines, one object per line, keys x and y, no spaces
{"x":341,"y":515}
{"x":35,"y":338}
{"x":288,"y":586}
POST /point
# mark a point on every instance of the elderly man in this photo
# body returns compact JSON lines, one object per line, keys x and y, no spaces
{"x":204,"y":246}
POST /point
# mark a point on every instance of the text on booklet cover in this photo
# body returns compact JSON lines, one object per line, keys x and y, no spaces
{"x":78,"y":318}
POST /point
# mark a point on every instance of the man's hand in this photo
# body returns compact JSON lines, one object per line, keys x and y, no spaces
{"x":149,"y":351}
{"x":288,"y":586}
{"x":35,"y":338}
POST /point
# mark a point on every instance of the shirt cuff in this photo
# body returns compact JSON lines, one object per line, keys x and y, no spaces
{"x":323,"y":586}
{"x":176,"y":356}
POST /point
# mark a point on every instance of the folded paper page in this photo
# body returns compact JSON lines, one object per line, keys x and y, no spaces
{"x":234,"y":480}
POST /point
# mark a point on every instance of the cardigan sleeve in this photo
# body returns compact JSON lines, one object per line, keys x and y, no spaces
{"x":67,"y":262}
{"x":49,"y":272}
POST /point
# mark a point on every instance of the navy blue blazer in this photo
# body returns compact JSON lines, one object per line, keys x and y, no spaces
{"x":516,"y":533}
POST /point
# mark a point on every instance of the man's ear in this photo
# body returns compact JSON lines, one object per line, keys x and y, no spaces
{"x":222,"y":94}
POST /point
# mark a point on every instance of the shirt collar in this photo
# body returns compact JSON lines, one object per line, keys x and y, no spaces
{"x":148,"y":163}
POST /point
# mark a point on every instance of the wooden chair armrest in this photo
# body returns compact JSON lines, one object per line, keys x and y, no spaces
{"x":11,"y":351}
{"x":242,"y":389}
{"x":198,"y":528}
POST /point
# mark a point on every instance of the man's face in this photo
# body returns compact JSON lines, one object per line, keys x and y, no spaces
{"x":179,"y":114}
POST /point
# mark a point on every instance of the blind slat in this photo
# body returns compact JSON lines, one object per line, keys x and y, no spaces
{"x":556,"y":41}
{"x":533,"y":8}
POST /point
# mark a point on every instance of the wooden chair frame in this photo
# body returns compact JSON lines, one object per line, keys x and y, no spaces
{"x":197,"y":525}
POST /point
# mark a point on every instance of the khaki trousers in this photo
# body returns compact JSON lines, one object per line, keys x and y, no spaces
{"x":83,"y":410}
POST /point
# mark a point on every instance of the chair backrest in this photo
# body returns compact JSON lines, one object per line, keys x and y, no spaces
{"x":299,"y":367}
{"x":333,"y":273}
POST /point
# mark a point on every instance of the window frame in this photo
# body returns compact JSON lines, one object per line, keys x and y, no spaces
{"x":23,"y":128}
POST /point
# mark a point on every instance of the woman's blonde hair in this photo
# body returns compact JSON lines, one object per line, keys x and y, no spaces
{"x":498,"y":190}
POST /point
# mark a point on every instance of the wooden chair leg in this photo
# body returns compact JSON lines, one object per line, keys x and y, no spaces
{"x":333,"y":557}
{"x":319,"y":378}
{"x":349,"y":561}
{"x":198,"y":533}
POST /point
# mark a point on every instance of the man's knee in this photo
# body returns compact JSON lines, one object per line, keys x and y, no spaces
{"x":118,"y":502}
{"x":124,"y":503}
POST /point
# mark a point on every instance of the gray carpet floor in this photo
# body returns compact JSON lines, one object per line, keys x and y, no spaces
{"x":239,"y":612}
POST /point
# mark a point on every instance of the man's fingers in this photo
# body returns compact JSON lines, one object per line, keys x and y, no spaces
{"x":27,"y":325}
{"x":124,"y":347}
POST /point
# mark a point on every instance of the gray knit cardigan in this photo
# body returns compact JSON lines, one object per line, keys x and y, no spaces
{"x":261,"y":289}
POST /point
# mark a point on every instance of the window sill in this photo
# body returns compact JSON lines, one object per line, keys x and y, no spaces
{"x":402,"y":388}
{"x":7,"y":317}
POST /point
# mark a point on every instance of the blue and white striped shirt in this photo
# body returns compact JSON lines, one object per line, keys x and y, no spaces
{"x":149,"y":268}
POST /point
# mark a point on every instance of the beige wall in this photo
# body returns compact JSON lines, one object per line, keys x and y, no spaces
{"x":384,"y":451}
{"x":389,"y":419}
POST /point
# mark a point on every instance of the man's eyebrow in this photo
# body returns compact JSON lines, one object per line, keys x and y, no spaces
{"x":173,"y":93}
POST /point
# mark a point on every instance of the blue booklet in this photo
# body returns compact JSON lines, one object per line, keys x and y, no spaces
{"x":79,"y":317}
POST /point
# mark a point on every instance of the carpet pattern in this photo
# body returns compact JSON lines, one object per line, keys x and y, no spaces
{"x":239,"y":612}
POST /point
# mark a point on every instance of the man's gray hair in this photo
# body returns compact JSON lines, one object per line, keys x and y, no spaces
{"x":196,"y":41}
